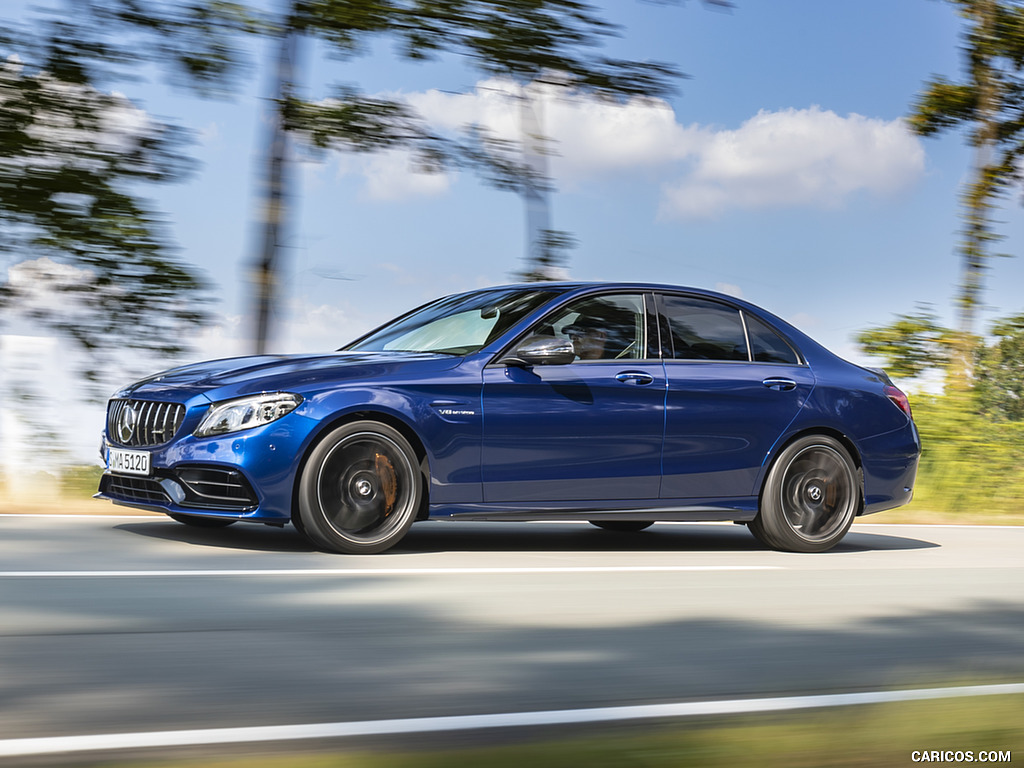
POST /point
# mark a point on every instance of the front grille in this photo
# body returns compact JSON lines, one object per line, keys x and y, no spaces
{"x":142,"y":423}
{"x":141,"y":490}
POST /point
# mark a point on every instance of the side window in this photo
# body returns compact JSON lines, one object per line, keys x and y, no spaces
{"x":767,"y":345}
{"x":703,"y":330}
{"x":601,"y":328}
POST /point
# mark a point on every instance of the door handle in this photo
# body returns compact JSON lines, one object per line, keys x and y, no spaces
{"x":635,"y":377}
{"x":780,"y":384}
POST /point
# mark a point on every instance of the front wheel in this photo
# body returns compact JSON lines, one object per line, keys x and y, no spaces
{"x":810,"y":497}
{"x":360,"y":489}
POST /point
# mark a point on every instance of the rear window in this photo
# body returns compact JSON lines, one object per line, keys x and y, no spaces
{"x":767,"y":346}
{"x":703,"y":330}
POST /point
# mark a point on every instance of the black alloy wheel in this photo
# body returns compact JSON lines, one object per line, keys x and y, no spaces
{"x":360,"y":489}
{"x":810,"y":498}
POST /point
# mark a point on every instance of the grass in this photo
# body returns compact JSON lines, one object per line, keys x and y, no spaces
{"x":918,"y":513}
{"x":874,"y":735}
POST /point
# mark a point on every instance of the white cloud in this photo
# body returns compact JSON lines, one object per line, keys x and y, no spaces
{"x":395,"y":176}
{"x":225,"y":337}
{"x":796,"y":158}
{"x":392,"y":176}
{"x":792,"y":157}
{"x":588,"y":137}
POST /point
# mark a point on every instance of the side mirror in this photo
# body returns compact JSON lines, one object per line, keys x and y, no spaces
{"x":541,"y":350}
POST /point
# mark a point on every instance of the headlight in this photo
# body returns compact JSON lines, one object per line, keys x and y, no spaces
{"x":247,"y":412}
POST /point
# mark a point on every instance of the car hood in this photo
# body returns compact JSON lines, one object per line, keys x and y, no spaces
{"x":233,"y":377}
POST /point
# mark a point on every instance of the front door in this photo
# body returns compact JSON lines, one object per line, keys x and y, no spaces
{"x":589,"y":430}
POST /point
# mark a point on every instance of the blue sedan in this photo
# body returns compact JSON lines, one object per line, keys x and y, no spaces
{"x":619,"y":404}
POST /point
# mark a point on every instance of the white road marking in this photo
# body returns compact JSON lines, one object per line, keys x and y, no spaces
{"x":385,"y":571}
{"x":206,"y":736}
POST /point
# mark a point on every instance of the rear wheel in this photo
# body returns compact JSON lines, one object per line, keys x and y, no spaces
{"x":360,"y":489}
{"x":198,"y":521}
{"x":810,"y":497}
{"x":622,"y":526}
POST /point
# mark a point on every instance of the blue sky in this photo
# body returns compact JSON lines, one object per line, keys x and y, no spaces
{"x":780,"y":172}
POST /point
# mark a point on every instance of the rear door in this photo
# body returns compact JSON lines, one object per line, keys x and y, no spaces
{"x":734,"y":386}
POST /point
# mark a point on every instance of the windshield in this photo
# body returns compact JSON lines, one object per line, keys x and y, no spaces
{"x":456,"y":325}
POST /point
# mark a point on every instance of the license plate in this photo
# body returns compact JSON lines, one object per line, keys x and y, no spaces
{"x":123,"y":462}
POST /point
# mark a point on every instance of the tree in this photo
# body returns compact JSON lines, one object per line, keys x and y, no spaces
{"x":915,"y":344}
{"x":72,"y":158}
{"x":989,"y":103}
{"x":532,"y":43}
{"x":203,"y":43}
{"x":1000,"y":372}
{"x":911,"y":345}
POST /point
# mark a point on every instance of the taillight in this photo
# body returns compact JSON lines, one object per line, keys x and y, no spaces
{"x":900,"y":399}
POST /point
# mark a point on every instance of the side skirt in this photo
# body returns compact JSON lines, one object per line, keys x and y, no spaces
{"x":685,"y":510}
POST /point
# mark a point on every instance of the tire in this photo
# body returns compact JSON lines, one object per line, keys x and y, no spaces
{"x":360,"y":489}
{"x":198,"y":521}
{"x":622,"y":526}
{"x":810,"y":498}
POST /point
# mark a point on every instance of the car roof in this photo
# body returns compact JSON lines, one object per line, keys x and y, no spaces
{"x":565,"y":286}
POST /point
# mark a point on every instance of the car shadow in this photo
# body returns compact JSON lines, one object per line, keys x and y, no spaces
{"x":443,"y":536}
{"x":241,"y":536}
{"x":509,"y":537}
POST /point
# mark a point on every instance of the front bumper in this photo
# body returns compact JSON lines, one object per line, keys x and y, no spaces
{"x":242,"y":476}
{"x":193,"y":487}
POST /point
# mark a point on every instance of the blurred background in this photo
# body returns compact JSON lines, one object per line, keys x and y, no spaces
{"x":197,"y":180}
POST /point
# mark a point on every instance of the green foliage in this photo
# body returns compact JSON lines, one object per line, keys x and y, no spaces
{"x":970,"y":463}
{"x":988,"y":103}
{"x":526,"y":42}
{"x":76,"y":200}
{"x":80,"y":482}
{"x":910,"y":345}
{"x":66,"y":192}
{"x":96,"y":262}
{"x":555,"y":42}
{"x":1000,"y":372}
{"x":198,"y":43}
{"x":972,"y":459}
{"x":548,"y":263}
{"x":915,"y":344}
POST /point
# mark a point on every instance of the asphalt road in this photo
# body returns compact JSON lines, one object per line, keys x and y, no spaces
{"x":117,"y":624}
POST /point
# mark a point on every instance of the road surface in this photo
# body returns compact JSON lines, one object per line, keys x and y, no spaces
{"x":123,"y":624}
